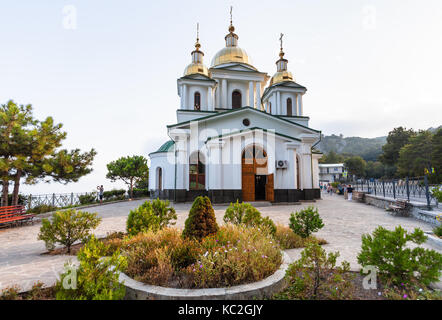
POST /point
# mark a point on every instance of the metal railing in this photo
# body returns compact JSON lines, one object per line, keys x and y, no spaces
{"x":55,"y":199}
{"x":412,"y":189}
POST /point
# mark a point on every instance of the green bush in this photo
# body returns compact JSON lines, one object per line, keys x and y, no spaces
{"x":438,"y":231}
{"x":153,"y":215}
{"x":305,"y":222}
{"x":43,"y":208}
{"x":201,"y":221}
{"x":395,"y":261}
{"x":436,"y":192}
{"x":67,"y":227}
{"x":114,"y":194}
{"x":316,"y":276}
{"x":244,"y":213}
{"x":96,"y":277}
{"x":139,"y":193}
{"x":87,"y":198}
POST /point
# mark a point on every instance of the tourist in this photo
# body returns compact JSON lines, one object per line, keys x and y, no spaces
{"x":100,"y":193}
{"x":350,"y":192}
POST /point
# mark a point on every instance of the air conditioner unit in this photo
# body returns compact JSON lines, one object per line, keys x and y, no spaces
{"x":282,"y":164}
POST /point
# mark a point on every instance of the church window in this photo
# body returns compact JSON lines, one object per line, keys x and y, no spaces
{"x":197,"y":175}
{"x":246,"y":122}
{"x":270,"y":107}
{"x":236,"y":99}
{"x":197,"y":101}
{"x":289,"y":106}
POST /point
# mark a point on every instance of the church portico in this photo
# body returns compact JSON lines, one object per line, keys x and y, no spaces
{"x":237,"y":137}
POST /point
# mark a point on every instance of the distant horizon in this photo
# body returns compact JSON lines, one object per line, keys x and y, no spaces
{"x":107,"y":70}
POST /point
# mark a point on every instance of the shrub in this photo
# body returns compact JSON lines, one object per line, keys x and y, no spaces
{"x":88,"y":198}
{"x":67,"y":227}
{"x":138,"y":193}
{"x":315,"y":276}
{"x":201,"y":221}
{"x":96,"y":277}
{"x":388,"y":251}
{"x":153,"y":215}
{"x":114,"y":194}
{"x":287,"y":239}
{"x":10,"y":293}
{"x":436,"y":192}
{"x":249,"y":255}
{"x":244,"y":213}
{"x":305,"y":222}
{"x":43,"y":208}
{"x":438,"y":231}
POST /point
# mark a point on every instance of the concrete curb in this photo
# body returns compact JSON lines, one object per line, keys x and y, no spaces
{"x":262,"y":289}
{"x":434,"y":240}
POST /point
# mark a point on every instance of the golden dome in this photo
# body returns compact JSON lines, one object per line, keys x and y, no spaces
{"x":196,"y":68}
{"x":231,"y":54}
{"x":281,"y":76}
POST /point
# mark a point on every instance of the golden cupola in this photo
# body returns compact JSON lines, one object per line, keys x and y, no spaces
{"x":282,"y":74}
{"x":197,"y":66}
{"x":231,"y":53}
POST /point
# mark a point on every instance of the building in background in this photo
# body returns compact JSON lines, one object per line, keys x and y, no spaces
{"x":331,"y":172}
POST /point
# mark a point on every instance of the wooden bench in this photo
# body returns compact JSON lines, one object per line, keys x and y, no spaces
{"x":399,"y":205}
{"x":14,"y":215}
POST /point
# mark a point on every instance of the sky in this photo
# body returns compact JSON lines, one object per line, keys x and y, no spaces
{"x":107,"y":69}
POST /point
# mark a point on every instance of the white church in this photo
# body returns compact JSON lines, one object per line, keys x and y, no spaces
{"x":240,"y":134}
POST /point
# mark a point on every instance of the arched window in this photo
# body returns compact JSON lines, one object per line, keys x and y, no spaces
{"x":236,"y":99}
{"x":197,"y":172}
{"x":289,"y":106}
{"x":160,"y":179}
{"x":270,"y":107}
{"x":197,"y":101}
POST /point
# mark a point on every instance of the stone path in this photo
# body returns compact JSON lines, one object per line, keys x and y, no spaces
{"x":22,"y":262}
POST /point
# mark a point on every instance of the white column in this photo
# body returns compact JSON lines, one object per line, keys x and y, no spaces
{"x":217,"y":96}
{"x":224,"y":93}
{"x":184,"y":95}
{"x":251,"y":95}
{"x":300,"y":112}
{"x":295,"y":106}
{"x":209,"y":99}
{"x":258,"y":95}
{"x":278,"y":103}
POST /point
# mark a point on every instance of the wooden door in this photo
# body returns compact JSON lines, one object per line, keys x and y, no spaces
{"x":270,"y":193}
{"x":248,"y":182}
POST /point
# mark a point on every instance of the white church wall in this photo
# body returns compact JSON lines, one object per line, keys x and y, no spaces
{"x":191,"y":96}
{"x":160,"y":160}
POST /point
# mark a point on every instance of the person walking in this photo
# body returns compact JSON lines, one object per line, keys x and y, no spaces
{"x":350,"y":192}
{"x":100,"y":193}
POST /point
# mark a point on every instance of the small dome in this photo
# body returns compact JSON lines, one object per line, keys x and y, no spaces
{"x":281,"y":76}
{"x":196,"y":68}
{"x":231,"y":54}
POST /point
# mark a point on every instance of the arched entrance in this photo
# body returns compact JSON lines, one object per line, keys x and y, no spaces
{"x":257,"y":184}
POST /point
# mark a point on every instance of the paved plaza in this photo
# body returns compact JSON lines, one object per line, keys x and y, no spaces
{"x":22,"y":261}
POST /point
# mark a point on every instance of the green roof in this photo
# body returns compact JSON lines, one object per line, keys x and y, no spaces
{"x":165,"y":147}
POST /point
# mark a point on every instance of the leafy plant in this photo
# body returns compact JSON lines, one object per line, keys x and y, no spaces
{"x":153,"y":215}
{"x":43,"y":208}
{"x":305,"y":222}
{"x":287,"y":239}
{"x":396,"y":262}
{"x":201,"y":221}
{"x":316,"y":276}
{"x":97,"y":276}
{"x":67,"y":227}
{"x":438,"y":231}
{"x":436,"y":192}
{"x":244,"y":213}
{"x":114,"y":194}
{"x":87,"y":198}
{"x":10,"y":293}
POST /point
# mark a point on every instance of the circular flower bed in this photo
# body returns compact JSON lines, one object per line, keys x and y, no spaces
{"x":234,"y":255}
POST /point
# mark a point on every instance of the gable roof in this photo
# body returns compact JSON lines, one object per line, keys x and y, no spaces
{"x":285,"y":84}
{"x":251,"y":129}
{"x":243,"y":109}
